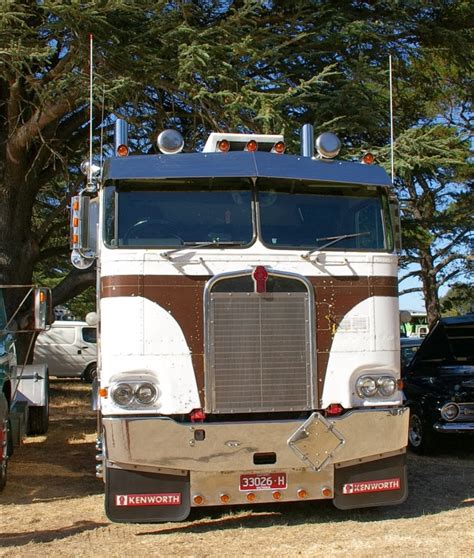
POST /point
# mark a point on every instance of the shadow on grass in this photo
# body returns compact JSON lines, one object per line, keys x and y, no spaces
{"x":21,"y":539}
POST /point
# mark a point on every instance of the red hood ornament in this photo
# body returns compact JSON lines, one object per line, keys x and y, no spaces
{"x":260,"y":276}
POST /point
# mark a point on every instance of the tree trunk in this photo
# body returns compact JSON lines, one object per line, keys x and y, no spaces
{"x":430,"y":288}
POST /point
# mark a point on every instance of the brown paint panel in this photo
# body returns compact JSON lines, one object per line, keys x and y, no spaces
{"x":182,"y":296}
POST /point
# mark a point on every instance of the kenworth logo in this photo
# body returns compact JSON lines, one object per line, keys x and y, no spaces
{"x":362,"y":487}
{"x":172,"y":499}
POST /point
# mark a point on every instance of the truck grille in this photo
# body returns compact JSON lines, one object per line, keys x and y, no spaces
{"x":259,"y":352}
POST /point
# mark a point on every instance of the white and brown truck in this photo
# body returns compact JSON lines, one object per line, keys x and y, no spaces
{"x":248,"y":326}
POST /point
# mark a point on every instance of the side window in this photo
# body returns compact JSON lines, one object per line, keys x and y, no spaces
{"x":89,"y":334}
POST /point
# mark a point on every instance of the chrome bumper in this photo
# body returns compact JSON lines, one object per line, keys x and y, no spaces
{"x":161,"y":444}
{"x":454,"y":427}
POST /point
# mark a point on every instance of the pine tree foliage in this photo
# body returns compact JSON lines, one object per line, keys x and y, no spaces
{"x":265,"y":66}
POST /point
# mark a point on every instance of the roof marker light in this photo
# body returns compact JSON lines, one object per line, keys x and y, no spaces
{"x":223,"y":145}
{"x":279,"y":147}
{"x":252,"y":145}
{"x":368,"y":159}
{"x":122,"y":150}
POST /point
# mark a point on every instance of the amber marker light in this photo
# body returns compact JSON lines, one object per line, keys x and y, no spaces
{"x":42,"y":296}
{"x":225,"y":498}
{"x":327,"y":492}
{"x":302,"y":493}
{"x":368,"y":159}
{"x":277,"y":495}
{"x":223,"y":145}
{"x":122,"y":150}
{"x":103,"y":392}
{"x":251,"y":497}
{"x":198,"y":499}
{"x":252,"y":145}
{"x":75,"y":205}
{"x":279,"y":147}
{"x":400,"y":384}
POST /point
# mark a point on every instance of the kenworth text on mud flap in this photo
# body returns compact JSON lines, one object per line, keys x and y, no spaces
{"x":248,"y":326}
{"x":24,"y":405}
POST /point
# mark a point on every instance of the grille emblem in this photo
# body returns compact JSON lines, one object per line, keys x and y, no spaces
{"x":260,"y":276}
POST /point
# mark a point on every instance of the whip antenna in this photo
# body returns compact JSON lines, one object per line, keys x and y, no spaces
{"x":91,"y":50}
{"x":391,"y":117}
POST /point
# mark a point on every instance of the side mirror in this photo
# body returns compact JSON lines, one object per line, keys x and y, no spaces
{"x":84,"y":221}
{"x":395,"y":218}
{"x":42,"y":302}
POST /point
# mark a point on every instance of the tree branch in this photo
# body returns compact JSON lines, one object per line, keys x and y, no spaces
{"x":75,"y":282}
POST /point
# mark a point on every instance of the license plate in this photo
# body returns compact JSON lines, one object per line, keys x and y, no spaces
{"x":268,"y":481}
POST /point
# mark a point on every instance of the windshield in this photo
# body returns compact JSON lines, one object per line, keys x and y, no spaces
{"x":311,"y":216}
{"x":220,"y":212}
{"x":179,"y":214}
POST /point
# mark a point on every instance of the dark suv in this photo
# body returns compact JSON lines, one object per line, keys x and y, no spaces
{"x":439,"y":384}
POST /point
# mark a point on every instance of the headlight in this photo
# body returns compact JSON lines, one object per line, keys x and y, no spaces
{"x":366,"y":386}
{"x":134,"y":394}
{"x":386,"y":385}
{"x":373,"y":386}
{"x":145,"y":394}
{"x":122,"y":394}
{"x":449,"y":411}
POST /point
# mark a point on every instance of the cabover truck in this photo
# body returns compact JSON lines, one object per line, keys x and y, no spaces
{"x":248,"y":326}
{"x":23,"y":388}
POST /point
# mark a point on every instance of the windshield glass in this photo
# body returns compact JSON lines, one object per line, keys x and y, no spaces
{"x":299,"y":215}
{"x":176,"y":213}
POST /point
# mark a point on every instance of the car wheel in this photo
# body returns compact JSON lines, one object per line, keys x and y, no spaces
{"x":4,"y":438}
{"x":421,"y":439}
{"x":90,"y":374}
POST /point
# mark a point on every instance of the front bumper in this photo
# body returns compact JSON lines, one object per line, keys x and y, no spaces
{"x":454,"y":427}
{"x":152,"y":444}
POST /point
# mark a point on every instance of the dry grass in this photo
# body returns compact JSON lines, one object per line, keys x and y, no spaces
{"x":52,"y":506}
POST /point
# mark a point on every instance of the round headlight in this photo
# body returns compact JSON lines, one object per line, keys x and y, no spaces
{"x":386,"y":385}
{"x":366,"y":386}
{"x":145,"y":394}
{"x":122,"y":394}
{"x":450,"y":411}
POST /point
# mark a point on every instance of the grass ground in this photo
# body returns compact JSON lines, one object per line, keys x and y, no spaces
{"x":53,"y":506}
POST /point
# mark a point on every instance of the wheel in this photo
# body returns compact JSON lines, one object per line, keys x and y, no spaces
{"x":421,"y":439}
{"x":90,"y":373}
{"x":4,"y":440}
{"x":38,"y":417}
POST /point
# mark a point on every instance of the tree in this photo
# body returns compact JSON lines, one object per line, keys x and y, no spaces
{"x":195,"y":66}
{"x":458,"y":300}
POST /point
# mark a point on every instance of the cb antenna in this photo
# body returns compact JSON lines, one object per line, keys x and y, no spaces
{"x":392,"y":164}
{"x":91,"y":74}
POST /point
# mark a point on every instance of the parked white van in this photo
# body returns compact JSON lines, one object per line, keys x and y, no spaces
{"x":70,"y":350}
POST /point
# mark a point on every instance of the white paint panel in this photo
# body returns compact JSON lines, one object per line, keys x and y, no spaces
{"x":357,"y":350}
{"x":138,"y":335}
{"x":207,"y":262}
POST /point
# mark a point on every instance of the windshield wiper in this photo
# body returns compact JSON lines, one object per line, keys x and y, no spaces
{"x":216,"y":242}
{"x":332,"y":240}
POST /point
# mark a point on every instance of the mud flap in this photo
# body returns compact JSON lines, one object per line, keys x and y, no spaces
{"x":135,"y":497}
{"x":376,"y":483}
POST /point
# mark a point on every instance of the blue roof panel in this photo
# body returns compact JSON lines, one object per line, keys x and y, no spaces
{"x":242,"y":164}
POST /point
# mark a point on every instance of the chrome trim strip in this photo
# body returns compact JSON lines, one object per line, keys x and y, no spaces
{"x":454,"y":427}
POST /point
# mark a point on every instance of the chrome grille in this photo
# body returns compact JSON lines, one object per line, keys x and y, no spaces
{"x":259,"y":352}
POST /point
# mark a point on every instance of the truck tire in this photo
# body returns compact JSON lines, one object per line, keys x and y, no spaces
{"x":4,"y":449}
{"x":90,"y":373}
{"x":38,"y":417}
